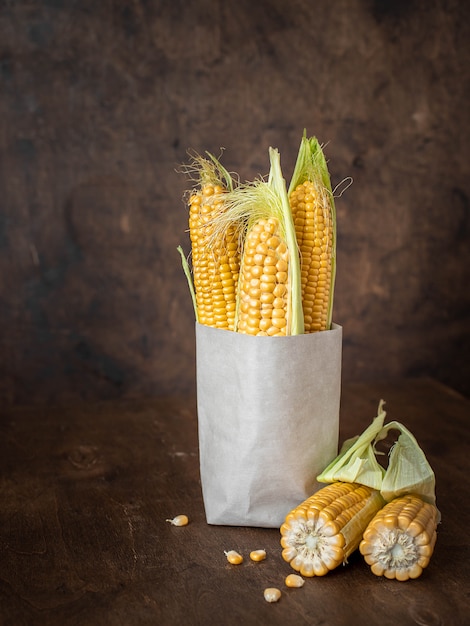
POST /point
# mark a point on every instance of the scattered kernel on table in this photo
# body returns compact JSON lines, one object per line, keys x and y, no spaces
{"x":179,"y":520}
{"x":234,"y":557}
{"x":294,"y":580}
{"x":271,"y":594}
{"x":258,"y":555}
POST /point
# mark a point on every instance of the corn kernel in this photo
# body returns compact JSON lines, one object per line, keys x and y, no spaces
{"x":271,"y":594}
{"x":179,"y":520}
{"x":234,"y":557}
{"x":294,"y":580}
{"x":258,"y":555}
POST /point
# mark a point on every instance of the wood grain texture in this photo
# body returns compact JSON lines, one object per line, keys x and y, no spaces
{"x":99,"y":103}
{"x":86,"y":490}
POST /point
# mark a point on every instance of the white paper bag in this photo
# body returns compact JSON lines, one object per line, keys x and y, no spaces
{"x":268,"y":420}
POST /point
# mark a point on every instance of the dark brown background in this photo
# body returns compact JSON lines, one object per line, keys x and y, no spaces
{"x":100,"y":102}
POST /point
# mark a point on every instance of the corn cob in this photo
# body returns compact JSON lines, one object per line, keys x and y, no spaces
{"x":323,"y":531}
{"x":313,"y":211}
{"x":269,"y":300}
{"x":215,"y":259}
{"x":264,"y":281}
{"x":400,"y":539}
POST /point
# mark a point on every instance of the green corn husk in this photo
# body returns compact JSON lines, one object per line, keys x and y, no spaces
{"x":408,"y":471}
{"x":189,"y":278}
{"x":207,"y":169}
{"x":311,"y":165}
{"x":278,"y":185}
{"x":356,"y":461}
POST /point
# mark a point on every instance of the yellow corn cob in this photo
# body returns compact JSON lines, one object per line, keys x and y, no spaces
{"x":263,"y":290}
{"x":314,"y":230}
{"x":215,"y":260}
{"x":313,"y":212}
{"x":323,"y":531}
{"x":268,"y":294}
{"x":400,"y":539}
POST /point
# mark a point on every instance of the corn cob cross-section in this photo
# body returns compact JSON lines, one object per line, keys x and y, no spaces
{"x":400,"y":539}
{"x":323,"y":531}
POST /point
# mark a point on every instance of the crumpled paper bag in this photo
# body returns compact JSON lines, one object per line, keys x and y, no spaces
{"x":268,"y":421}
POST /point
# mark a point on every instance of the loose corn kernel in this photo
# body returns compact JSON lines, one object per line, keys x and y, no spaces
{"x":179,"y":520}
{"x":272,"y":594}
{"x":234,"y":557}
{"x":258,"y":555}
{"x":294,"y":580}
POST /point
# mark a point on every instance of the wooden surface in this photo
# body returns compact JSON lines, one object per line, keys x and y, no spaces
{"x":85,"y":492}
{"x":99,"y":103}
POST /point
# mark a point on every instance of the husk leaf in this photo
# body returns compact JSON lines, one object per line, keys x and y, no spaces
{"x":407,"y":472}
{"x":187,"y":273}
{"x":408,"y":469}
{"x":356,"y":462}
{"x":222,"y":175}
{"x":278,"y":183}
{"x":203,"y":170}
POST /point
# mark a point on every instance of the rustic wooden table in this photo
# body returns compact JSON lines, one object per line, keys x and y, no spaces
{"x":85,"y":493}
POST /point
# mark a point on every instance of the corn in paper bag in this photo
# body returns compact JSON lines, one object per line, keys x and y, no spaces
{"x":268,"y":418}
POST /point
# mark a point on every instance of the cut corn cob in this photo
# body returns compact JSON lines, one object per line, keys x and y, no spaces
{"x":269,"y":299}
{"x":323,"y":531}
{"x":400,"y":539}
{"x":215,"y":259}
{"x":313,"y":211}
